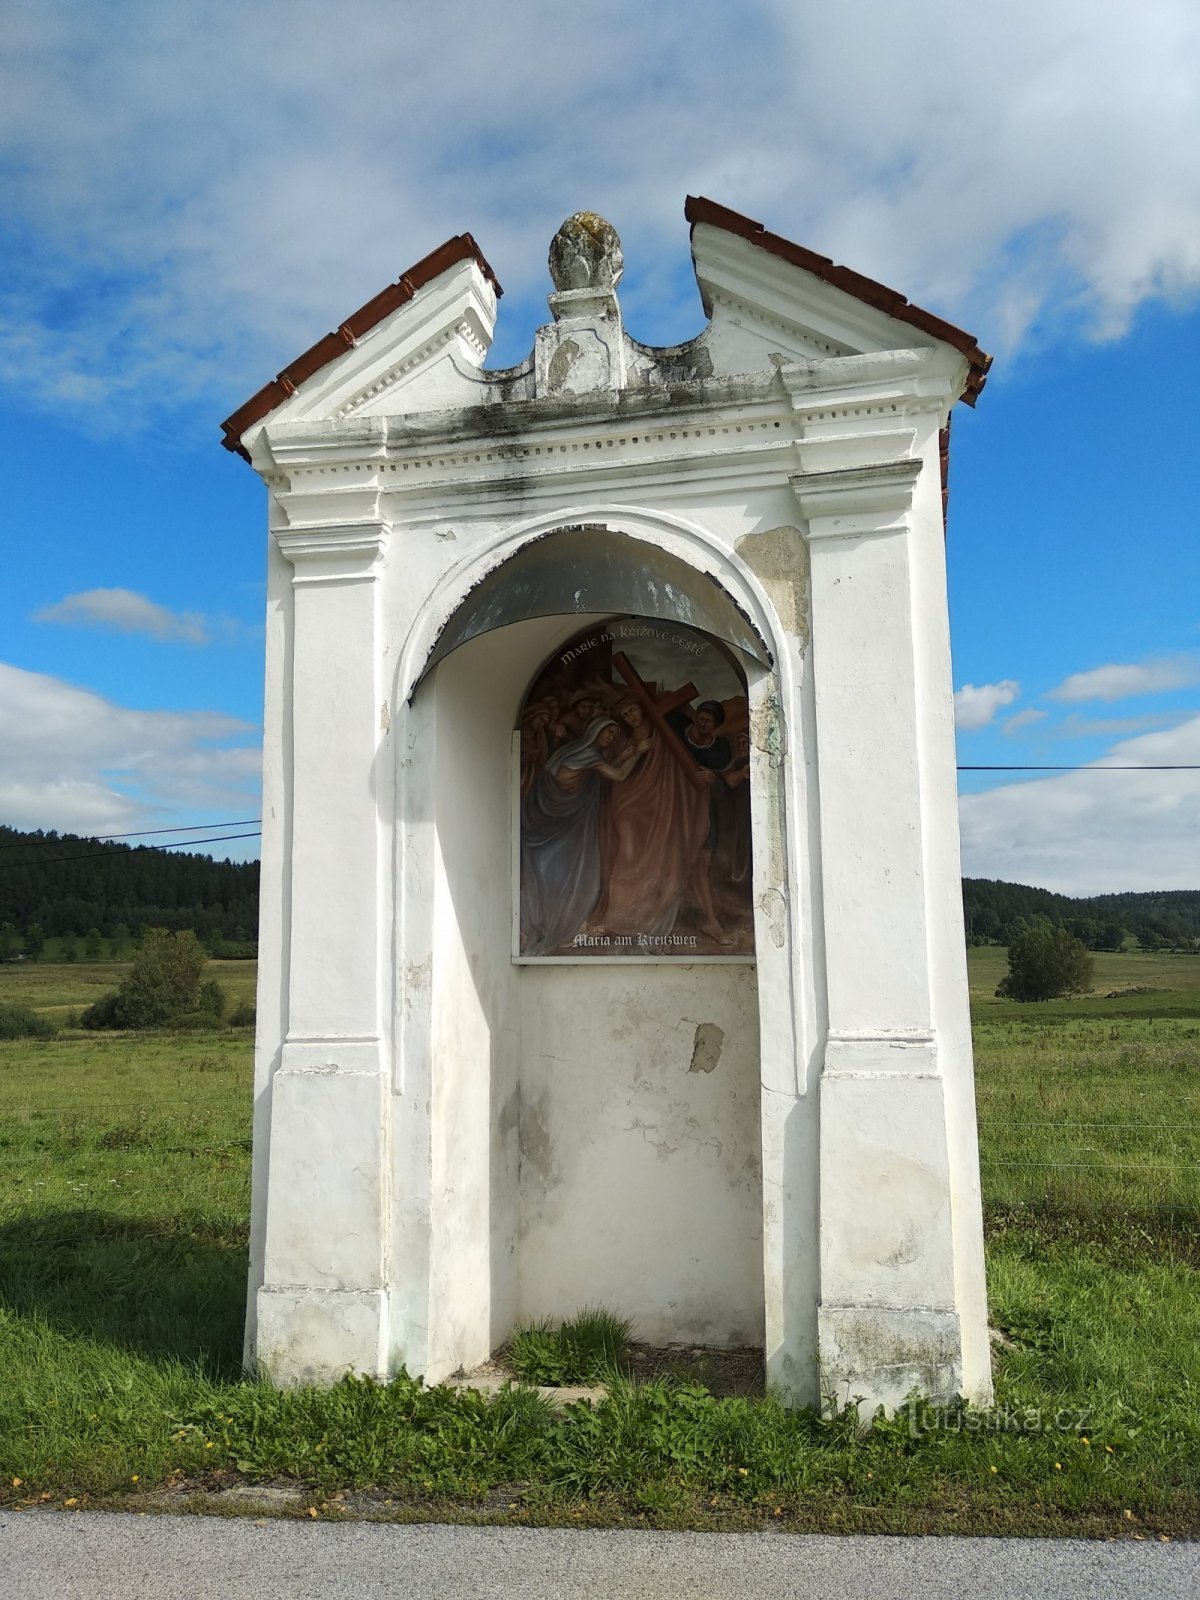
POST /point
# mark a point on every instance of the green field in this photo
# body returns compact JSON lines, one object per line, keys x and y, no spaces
{"x":124,"y":1187}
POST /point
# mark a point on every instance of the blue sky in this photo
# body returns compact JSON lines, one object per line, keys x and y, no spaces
{"x":191,"y":195}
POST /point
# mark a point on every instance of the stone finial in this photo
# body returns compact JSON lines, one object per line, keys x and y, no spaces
{"x":585,"y":253}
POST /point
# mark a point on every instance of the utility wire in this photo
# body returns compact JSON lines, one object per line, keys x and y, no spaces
{"x":95,"y":855}
{"x":1088,"y":768}
{"x":145,"y":833}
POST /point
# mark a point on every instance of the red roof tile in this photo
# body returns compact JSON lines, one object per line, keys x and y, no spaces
{"x":867,"y":290}
{"x":461,"y":248}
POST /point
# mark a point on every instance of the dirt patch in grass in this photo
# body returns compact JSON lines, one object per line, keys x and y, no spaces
{"x":737,"y":1370}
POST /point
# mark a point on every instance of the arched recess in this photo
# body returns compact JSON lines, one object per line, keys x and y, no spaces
{"x":717,"y":590}
{"x":508,"y":1200}
{"x":591,"y":569}
{"x":788,"y":948}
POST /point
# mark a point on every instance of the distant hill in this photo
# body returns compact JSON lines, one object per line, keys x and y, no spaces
{"x":67,"y":885}
{"x":1156,"y":918}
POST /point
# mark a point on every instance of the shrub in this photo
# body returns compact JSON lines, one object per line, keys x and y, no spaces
{"x":1044,"y":962}
{"x":211,"y":998}
{"x":163,"y":985}
{"x":19,"y":1022}
{"x":242,"y":1016}
{"x":102,"y":1013}
{"x":193,"y":1022}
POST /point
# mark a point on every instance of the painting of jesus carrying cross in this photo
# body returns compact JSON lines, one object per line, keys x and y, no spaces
{"x":635,"y":799}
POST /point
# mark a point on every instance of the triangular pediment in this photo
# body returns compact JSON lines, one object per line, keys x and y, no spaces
{"x":406,"y":349}
{"x":762,"y":293}
{"x":419,"y":345}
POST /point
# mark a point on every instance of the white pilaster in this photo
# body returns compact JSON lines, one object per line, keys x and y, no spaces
{"x":888,"y":1319}
{"x":322,"y":1309}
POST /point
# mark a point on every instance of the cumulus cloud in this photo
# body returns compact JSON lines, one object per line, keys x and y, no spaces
{"x":1077,"y":727}
{"x":125,"y":611}
{"x":78,"y":762}
{"x":1023,"y":719}
{"x":190,"y":204}
{"x":975,"y":705}
{"x":1124,"y":680}
{"x":1095,"y":830}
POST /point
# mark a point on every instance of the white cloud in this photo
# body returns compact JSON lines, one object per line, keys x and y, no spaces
{"x":1077,"y":727}
{"x":79,"y":763}
{"x":1123,"y":680}
{"x":1024,"y":719}
{"x":125,"y":611}
{"x":975,"y":705}
{"x":193,"y":198}
{"x":1094,"y":831}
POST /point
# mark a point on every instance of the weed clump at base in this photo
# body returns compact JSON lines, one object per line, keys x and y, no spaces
{"x":590,"y":1348}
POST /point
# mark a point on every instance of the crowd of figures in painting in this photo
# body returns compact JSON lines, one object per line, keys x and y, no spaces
{"x":635,"y":799}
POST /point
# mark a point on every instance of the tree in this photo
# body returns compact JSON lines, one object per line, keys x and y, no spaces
{"x":35,"y":941}
{"x":1045,"y":961}
{"x":163,"y":983}
{"x":93,"y":945}
{"x":10,"y":944}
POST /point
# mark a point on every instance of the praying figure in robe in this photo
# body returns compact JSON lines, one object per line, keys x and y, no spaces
{"x":561,"y":873}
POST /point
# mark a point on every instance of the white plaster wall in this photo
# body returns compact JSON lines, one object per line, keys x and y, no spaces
{"x":641,"y":1179}
{"x":576,"y":1157}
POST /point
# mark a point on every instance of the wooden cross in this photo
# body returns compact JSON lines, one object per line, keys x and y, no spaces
{"x":657,"y":711}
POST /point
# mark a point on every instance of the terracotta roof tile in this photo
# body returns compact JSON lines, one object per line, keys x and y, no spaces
{"x":461,"y":248}
{"x":867,"y":290}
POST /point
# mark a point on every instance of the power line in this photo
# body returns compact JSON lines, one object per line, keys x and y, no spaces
{"x":145,"y":833}
{"x":1124,"y":767}
{"x":96,"y":855}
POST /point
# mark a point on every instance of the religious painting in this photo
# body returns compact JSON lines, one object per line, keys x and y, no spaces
{"x":634,"y":800}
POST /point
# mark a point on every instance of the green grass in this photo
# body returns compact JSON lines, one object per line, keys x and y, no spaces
{"x":1087,"y":1107}
{"x":60,"y":989}
{"x":124,"y":1164}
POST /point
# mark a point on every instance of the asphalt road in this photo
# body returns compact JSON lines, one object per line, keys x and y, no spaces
{"x":47,"y":1555}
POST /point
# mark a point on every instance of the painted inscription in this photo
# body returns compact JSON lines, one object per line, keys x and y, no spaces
{"x":635,"y":799}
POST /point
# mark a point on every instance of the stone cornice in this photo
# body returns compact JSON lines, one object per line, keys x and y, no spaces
{"x":913,"y":377}
{"x":723,"y":434}
{"x":345,"y":552}
{"x":857,"y":501}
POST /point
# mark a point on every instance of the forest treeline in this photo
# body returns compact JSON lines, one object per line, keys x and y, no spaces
{"x":1166,"y":919}
{"x":65,"y":886}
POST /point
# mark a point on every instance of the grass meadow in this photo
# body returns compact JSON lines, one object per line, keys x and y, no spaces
{"x":124,"y":1193}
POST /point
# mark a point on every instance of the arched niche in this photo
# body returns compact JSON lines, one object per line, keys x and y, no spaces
{"x":594,"y":1126}
{"x":594,"y":569}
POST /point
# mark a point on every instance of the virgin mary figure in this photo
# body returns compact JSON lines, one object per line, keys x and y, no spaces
{"x":560,"y":849}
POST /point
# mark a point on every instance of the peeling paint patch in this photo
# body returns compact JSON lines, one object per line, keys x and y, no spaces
{"x":385,"y":718}
{"x":416,"y":976}
{"x":779,"y":557}
{"x":774,"y":909}
{"x":706,"y":1051}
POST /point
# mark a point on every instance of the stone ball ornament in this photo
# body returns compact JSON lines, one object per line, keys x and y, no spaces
{"x":585,"y":253}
